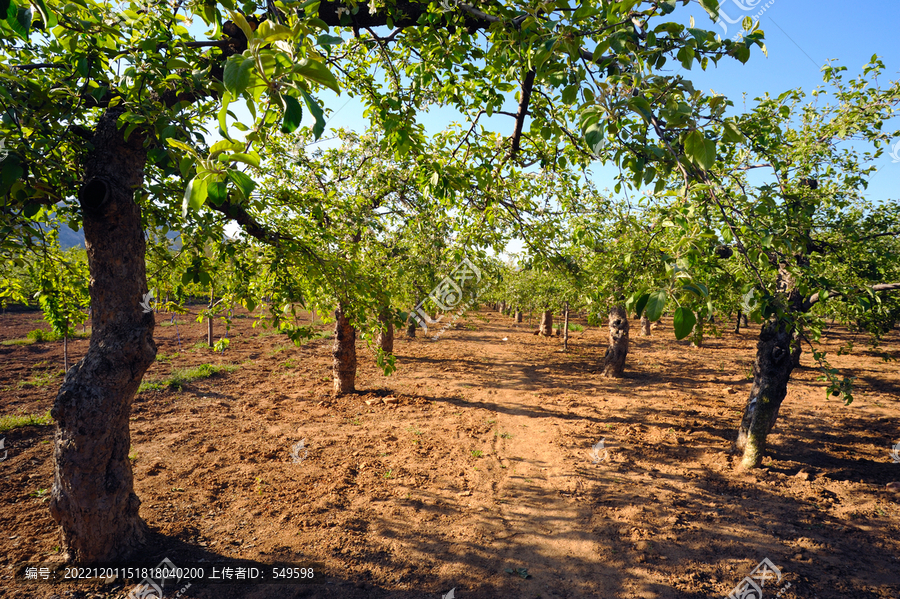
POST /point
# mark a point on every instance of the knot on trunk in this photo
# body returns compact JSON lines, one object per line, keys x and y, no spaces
{"x":777,"y":353}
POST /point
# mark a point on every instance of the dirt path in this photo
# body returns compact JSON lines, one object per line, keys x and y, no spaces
{"x":473,"y":461}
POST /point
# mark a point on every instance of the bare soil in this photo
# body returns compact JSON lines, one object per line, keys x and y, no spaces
{"x":471,"y":467}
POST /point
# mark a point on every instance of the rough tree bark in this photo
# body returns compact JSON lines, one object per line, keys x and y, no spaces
{"x":411,"y":328}
{"x":93,"y":498}
{"x":546,"y":328}
{"x":614,"y":361}
{"x":776,"y":355}
{"x":645,"y":326}
{"x":344,"y":353}
{"x":737,"y":324}
{"x":566,"y":327}
{"x":771,"y":373}
{"x":518,"y":316}
{"x":386,"y":334}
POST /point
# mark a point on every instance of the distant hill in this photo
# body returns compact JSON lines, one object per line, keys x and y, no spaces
{"x":69,"y":238}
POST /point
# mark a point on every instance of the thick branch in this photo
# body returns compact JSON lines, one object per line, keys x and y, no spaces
{"x":527,"y":86}
{"x":815,"y":297}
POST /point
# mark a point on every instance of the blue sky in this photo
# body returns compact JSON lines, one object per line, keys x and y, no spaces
{"x":800,"y":38}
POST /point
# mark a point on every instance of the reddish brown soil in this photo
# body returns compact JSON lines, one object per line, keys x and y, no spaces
{"x":395,"y":500}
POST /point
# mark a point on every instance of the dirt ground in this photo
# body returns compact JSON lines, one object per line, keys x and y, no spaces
{"x":478,"y":472}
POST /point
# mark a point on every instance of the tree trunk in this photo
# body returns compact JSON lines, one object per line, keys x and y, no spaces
{"x":92,"y":498}
{"x":777,"y":352}
{"x":518,"y":316}
{"x":737,"y":324}
{"x":209,"y":322}
{"x":614,"y":361}
{"x":645,"y":326}
{"x":411,"y":327}
{"x":697,"y":334}
{"x":744,"y":322}
{"x":546,"y":328}
{"x":566,"y":327}
{"x":385,"y":338}
{"x":771,"y":373}
{"x":344,"y":353}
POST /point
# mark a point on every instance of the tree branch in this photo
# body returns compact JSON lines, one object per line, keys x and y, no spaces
{"x":815,"y":297}
{"x":527,"y":86}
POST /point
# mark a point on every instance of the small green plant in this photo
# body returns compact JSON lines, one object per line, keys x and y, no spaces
{"x":182,"y":376}
{"x":477,"y":453}
{"x":289,"y":363}
{"x":414,"y":430}
{"x":41,"y":494}
{"x":504,"y":435}
{"x":132,"y":455}
{"x":388,"y":474}
{"x":8,"y":423}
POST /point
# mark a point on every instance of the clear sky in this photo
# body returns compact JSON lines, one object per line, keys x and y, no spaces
{"x":800,"y":38}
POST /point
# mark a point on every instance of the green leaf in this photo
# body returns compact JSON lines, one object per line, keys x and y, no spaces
{"x":684,"y":322}
{"x":245,"y":184}
{"x":194,"y":196}
{"x":700,"y":150}
{"x":317,"y":113}
{"x":218,"y":192}
{"x":641,"y":304}
{"x":731,"y":133}
{"x":293,"y":114}
{"x":711,"y":7}
{"x":655,"y":305}
{"x":318,"y":72}
{"x":236,"y":76}
{"x":252,"y":158}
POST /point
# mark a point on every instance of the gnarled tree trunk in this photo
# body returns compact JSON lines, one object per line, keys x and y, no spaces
{"x":546,"y":328}
{"x":93,"y":498}
{"x":776,"y":354}
{"x":385,"y":338}
{"x":645,"y":326}
{"x":771,"y":373}
{"x":344,"y":353}
{"x":411,"y":327}
{"x":614,"y":361}
{"x":518,"y":316}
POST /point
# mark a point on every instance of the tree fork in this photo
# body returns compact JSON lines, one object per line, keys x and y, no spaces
{"x":92,"y":497}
